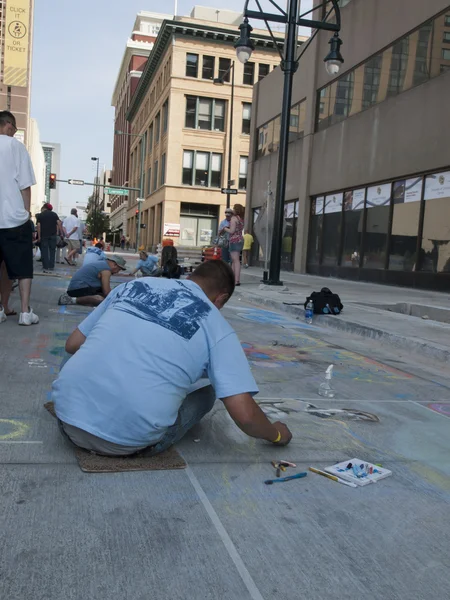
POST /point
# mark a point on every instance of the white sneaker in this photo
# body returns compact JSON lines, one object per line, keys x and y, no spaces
{"x":28,"y":318}
{"x":2,"y":315}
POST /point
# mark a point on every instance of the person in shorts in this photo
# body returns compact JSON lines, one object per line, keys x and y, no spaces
{"x":16,"y":234}
{"x":235,"y":229}
{"x":71,"y":225}
{"x":91,"y":284}
{"x":147,"y":265}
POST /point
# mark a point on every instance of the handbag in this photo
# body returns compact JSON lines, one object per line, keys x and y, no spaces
{"x":222,"y":241}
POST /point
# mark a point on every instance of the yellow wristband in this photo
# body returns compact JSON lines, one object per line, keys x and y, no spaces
{"x":278,"y":438}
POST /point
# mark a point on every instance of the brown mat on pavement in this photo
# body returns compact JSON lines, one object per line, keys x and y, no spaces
{"x":93,"y":463}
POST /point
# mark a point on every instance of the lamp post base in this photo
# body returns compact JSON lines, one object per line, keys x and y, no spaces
{"x":274,"y":282}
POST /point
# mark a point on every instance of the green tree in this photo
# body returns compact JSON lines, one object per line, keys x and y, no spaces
{"x":97,"y":222}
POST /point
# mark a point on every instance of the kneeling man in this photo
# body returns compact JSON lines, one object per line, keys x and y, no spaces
{"x":151,"y":392}
{"x":92,"y":282}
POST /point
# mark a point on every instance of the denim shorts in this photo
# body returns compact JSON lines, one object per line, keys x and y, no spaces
{"x":237,"y":247}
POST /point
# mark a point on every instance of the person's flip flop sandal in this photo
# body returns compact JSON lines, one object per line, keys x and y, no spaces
{"x":12,"y":313}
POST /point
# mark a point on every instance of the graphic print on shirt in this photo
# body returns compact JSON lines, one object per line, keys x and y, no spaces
{"x":176,"y":309}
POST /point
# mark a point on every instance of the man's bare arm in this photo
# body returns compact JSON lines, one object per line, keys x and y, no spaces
{"x":26,"y":197}
{"x":74,"y":342}
{"x":105,"y":278}
{"x":248,"y":416}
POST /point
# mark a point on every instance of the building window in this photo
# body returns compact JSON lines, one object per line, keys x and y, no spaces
{"x":157,"y":127}
{"x":203,"y":169}
{"x":409,"y":61}
{"x":150,"y":139}
{"x":297,"y":121}
{"x":188,"y":162}
{"x":165,"y":115}
{"x":162,"y":179}
{"x":372,"y":77}
{"x":149,"y":181}
{"x":243,"y":169}
{"x":205,"y":113}
{"x":208,"y":67}
{"x":191,"y":65}
{"x":246,"y":117}
{"x":263,"y":70}
{"x":224,"y":69}
{"x":155,"y":176}
{"x":249,"y":73}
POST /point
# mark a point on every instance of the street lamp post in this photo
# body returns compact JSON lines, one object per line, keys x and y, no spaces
{"x":221,"y":81}
{"x":141,"y":181}
{"x":96,"y":196}
{"x":289,"y":63}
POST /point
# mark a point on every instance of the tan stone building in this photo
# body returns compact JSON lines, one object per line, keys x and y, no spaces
{"x":183,"y":120}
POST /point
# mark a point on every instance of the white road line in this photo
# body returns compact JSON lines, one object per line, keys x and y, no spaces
{"x":345,"y":400}
{"x":430,"y":409}
{"x":15,"y":442}
{"x":255,"y":594}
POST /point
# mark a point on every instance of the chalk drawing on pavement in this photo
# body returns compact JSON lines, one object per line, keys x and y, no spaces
{"x":442,"y":408}
{"x":12,"y":429}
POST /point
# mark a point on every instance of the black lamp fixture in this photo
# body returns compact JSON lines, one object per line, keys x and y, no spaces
{"x":333,"y":60}
{"x":289,"y":62}
{"x":244,"y":45}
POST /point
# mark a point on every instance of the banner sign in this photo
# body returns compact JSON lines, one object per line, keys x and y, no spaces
{"x":17,"y":35}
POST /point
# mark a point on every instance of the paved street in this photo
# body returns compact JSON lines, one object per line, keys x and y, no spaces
{"x":214,"y":530}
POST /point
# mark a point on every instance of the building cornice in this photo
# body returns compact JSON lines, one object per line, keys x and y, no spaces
{"x":196,"y":30}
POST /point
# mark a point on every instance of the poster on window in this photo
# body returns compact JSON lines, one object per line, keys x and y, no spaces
{"x":333,"y":203}
{"x":188,"y":234}
{"x":319,"y":206}
{"x":205,"y":235}
{"x":354,"y":200}
{"x":437,"y":186}
{"x":413,"y":189}
{"x":379,"y":195}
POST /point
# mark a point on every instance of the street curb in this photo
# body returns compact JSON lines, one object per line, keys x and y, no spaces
{"x":410,"y":344}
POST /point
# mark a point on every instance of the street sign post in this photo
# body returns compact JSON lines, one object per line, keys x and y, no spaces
{"x":75,"y":182}
{"x":116,"y":191}
{"x":229,"y":191}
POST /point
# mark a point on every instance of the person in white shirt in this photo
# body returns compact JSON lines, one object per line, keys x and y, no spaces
{"x":71,"y":225}
{"x":16,"y":236}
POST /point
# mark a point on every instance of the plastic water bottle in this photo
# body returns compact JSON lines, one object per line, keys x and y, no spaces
{"x":325,"y":389}
{"x":309,"y":311}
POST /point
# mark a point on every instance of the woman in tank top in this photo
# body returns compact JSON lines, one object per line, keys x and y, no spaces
{"x":235,"y":230}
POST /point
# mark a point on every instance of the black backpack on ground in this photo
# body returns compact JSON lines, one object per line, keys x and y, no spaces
{"x":325,"y":302}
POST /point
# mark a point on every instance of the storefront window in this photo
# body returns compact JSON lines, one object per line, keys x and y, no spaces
{"x":315,"y":231}
{"x":289,"y":238}
{"x":378,"y":202}
{"x":435,"y":254}
{"x":332,"y":228}
{"x":353,"y":225}
{"x":406,"y":195}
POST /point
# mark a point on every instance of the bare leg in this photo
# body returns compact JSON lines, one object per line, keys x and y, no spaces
{"x":245,"y":254}
{"x":5,"y":288}
{"x":25,"y":292}
{"x":90,"y":300}
{"x":236,"y":266}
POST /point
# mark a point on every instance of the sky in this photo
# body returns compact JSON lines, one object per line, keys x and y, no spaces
{"x":78,"y":48}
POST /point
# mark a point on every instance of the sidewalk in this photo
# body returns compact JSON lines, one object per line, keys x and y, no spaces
{"x":370,"y":310}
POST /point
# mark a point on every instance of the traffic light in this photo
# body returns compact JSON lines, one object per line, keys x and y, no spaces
{"x":52,"y":181}
{"x":137,"y":211}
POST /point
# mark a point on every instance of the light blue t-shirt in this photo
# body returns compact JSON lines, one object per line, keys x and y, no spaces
{"x":149,"y":264}
{"x":169,"y":334}
{"x":92,"y":255}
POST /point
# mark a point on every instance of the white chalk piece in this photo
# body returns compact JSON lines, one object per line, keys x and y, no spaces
{"x":341,"y":470}
{"x":196,"y":441}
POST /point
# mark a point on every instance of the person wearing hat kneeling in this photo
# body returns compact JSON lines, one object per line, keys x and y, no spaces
{"x":91,"y":284}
